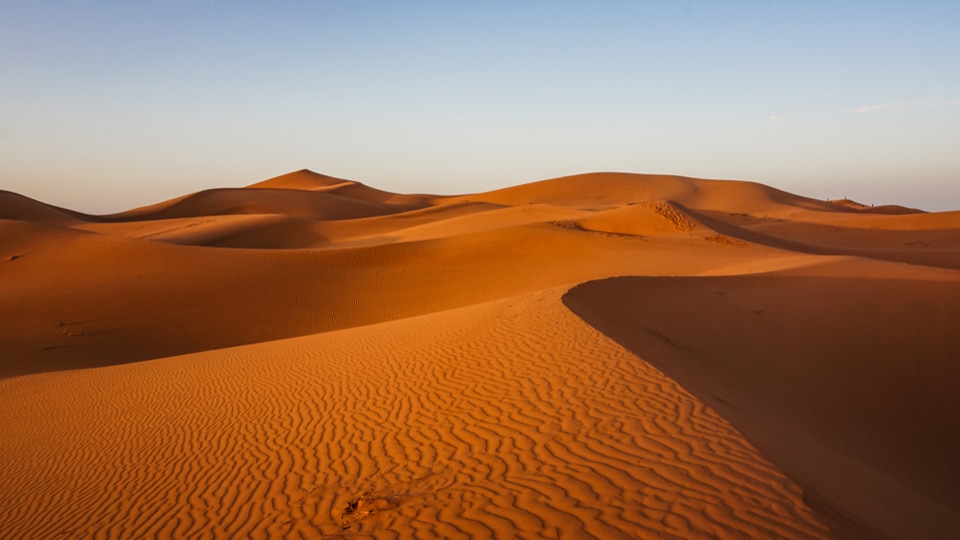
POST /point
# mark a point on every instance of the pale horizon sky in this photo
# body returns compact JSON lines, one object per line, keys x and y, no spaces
{"x":109,"y":105}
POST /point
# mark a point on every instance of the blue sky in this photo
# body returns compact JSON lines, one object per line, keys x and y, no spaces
{"x":107,"y":105}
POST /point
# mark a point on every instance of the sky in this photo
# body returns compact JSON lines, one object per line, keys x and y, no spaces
{"x":109,"y":105}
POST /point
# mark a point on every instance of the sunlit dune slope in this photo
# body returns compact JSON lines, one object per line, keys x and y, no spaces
{"x":306,"y":180}
{"x":598,"y":190}
{"x":510,"y":419}
{"x":883,"y":209}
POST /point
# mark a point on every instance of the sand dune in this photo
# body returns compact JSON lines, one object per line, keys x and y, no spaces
{"x":17,"y":207}
{"x":599,"y":190}
{"x":304,"y":180}
{"x":506,"y":419}
{"x":308,"y":180}
{"x":883,"y":209}
{"x":120,"y":308}
{"x":924,"y":239}
{"x":846,"y":381}
{"x":255,"y":231}
{"x":215,"y":202}
{"x":641,"y":219}
{"x":604,"y":355}
{"x":301,"y":194}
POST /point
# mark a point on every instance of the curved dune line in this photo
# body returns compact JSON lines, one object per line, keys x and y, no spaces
{"x":14,"y":206}
{"x":507,"y":419}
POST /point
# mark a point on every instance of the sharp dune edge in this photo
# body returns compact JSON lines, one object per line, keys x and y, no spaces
{"x":596,"y":356}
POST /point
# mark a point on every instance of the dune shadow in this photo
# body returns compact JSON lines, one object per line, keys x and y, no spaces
{"x":844,"y":383}
{"x":821,"y":239}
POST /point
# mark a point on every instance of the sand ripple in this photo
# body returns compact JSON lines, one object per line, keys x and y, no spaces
{"x":506,"y":419}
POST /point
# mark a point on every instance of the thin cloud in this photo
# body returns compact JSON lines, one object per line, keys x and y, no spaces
{"x":908,"y":105}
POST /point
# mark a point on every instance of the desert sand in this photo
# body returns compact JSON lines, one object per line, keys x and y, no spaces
{"x":606,"y":355}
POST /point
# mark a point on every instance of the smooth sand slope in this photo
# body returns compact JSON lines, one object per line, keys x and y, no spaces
{"x":846,"y":378}
{"x":605,"y":355}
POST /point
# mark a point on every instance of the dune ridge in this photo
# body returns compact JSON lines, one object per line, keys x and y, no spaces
{"x":14,"y":206}
{"x":602,"y":355}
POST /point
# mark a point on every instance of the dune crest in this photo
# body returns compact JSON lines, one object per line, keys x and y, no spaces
{"x":304,"y":179}
{"x":599,"y":355}
{"x":17,"y":207}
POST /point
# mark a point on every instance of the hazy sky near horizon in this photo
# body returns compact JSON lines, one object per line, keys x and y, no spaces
{"x":108,"y":105}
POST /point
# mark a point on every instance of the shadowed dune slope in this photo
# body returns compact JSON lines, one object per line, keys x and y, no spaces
{"x":309,"y":204}
{"x":846,"y":376}
{"x":17,"y":207}
{"x":252,"y":231}
{"x":302,"y":193}
{"x":275,"y":231}
{"x":921,"y":238}
{"x":641,"y":219}
{"x":601,"y":190}
{"x":750,"y":212}
{"x":510,"y":419}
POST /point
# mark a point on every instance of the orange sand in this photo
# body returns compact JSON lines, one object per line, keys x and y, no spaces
{"x":605,"y":355}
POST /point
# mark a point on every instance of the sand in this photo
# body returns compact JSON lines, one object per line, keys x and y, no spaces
{"x":597,"y":356}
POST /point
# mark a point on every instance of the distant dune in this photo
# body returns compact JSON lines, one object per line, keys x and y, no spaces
{"x":605,"y":355}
